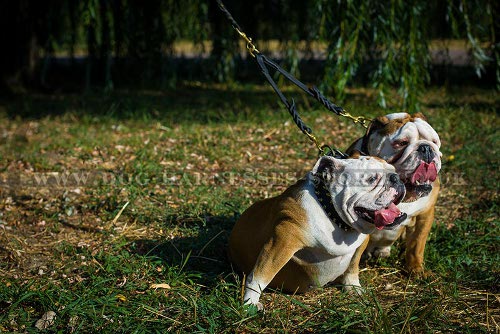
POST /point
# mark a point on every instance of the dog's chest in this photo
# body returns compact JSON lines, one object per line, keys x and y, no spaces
{"x":324,"y":234}
{"x":330,"y":247}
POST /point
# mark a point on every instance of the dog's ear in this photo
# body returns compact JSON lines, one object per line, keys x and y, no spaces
{"x":419,"y":115}
{"x":377,"y":124}
{"x":327,"y":166}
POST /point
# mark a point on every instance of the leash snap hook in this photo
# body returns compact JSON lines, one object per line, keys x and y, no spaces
{"x":252,"y":49}
{"x":321,"y":150}
{"x":363,"y":121}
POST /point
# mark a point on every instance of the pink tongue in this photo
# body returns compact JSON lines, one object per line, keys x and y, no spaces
{"x":386,"y":216}
{"x":424,"y":172}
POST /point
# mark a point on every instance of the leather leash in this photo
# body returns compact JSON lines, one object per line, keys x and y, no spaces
{"x":263,"y":62}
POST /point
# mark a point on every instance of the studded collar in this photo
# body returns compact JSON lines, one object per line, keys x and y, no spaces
{"x":325,"y":201}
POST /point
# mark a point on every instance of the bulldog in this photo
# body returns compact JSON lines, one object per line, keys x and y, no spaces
{"x":307,"y":236}
{"x":412,"y":146}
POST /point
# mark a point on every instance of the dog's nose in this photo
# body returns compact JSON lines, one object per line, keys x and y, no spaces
{"x":426,"y":152}
{"x":394,"y":178}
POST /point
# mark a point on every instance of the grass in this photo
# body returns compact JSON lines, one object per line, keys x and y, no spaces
{"x":115,"y":211}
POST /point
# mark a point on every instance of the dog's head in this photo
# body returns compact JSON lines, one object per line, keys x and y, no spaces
{"x":411,"y":145}
{"x":364,"y":191}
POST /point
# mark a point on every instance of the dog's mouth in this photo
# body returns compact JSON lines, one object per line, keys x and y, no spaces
{"x":424,"y":174}
{"x":420,"y":183}
{"x":387,"y":218}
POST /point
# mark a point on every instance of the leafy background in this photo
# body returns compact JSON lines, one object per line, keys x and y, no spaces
{"x":384,"y":44}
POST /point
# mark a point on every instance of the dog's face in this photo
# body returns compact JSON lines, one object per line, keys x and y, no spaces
{"x":411,"y":145}
{"x":364,"y":191}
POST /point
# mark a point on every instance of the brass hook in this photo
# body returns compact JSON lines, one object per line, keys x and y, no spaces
{"x":250,"y":46}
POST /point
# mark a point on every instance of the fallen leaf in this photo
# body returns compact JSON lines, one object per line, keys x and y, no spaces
{"x":160,"y":286}
{"x":46,"y":320}
{"x":121,"y":297}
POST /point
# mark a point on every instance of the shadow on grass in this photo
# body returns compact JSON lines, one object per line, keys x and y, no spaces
{"x":205,"y":252}
{"x":201,"y":103}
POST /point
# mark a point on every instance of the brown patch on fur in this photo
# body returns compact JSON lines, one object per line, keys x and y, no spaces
{"x":377,"y":158}
{"x":377,"y":124}
{"x":418,"y":115}
{"x":355,"y":155}
{"x":387,"y":127}
{"x":266,"y":236}
{"x":393,"y":125}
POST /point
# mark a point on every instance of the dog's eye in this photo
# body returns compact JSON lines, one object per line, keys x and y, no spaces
{"x":372,"y":179}
{"x":401,"y":143}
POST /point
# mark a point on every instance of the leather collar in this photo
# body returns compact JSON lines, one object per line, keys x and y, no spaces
{"x":364,"y":145}
{"x":325,"y":201}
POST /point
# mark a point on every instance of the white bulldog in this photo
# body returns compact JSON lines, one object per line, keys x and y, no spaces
{"x":307,"y":236}
{"x":412,"y":146}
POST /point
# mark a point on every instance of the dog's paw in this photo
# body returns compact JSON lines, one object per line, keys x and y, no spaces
{"x":350,"y":284}
{"x":254,"y":308}
{"x":418,"y":272}
{"x":382,"y":252}
{"x":354,"y":290}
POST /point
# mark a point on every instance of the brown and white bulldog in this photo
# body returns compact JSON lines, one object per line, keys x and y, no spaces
{"x":307,"y":236}
{"x":412,"y":146}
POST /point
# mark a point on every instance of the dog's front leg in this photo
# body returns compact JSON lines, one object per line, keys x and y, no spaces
{"x":416,"y":238}
{"x":350,"y":278}
{"x":273,"y":257}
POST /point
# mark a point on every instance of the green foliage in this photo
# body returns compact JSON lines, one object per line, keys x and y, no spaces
{"x":396,"y":37}
{"x":386,"y":43}
{"x":476,"y":19}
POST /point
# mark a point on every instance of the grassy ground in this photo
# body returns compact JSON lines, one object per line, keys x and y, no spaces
{"x":115,"y":212}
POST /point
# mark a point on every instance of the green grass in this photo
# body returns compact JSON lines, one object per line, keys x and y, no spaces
{"x":187,"y":162}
